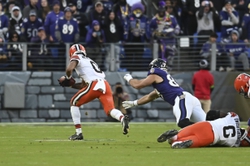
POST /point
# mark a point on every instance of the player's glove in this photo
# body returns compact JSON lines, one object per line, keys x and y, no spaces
{"x":129,"y":104}
{"x":65,"y":82}
{"x":128,"y":77}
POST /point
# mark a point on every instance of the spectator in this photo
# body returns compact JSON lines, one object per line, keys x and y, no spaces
{"x":51,"y":19}
{"x":237,"y":51}
{"x":222,"y":58}
{"x":206,"y":17}
{"x":192,"y":6}
{"x":16,"y":20}
{"x":8,"y":8}
{"x":122,"y":9}
{"x":30,"y":26}
{"x":114,"y":30}
{"x":94,"y":40}
{"x":66,"y":29}
{"x":229,"y":20}
{"x":40,"y":57}
{"x":108,"y":5}
{"x":64,"y":4}
{"x":4,"y":58}
{"x":44,"y":10}
{"x":4,"y":23}
{"x":15,"y":51}
{"x":246,"y":25}
{"x":203,"y":85}
{"x":175,"y":10}
{"x":164,"y":27}
{"x":83,"y":6}
{"x":241,"y":6}
{"x":132,"y":2}
{"x":33,"y":5}
{"x":119,"y":95}
{"x":98,"y":14}
{"x":136,"y":30}
{"x":80,"y":17}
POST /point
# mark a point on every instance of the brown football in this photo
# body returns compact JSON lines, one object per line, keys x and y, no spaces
{"x":72,"y":80}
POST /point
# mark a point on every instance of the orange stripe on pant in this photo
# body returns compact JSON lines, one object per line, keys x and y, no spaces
{"x":200,"y":133}
{"x":87,"y":94}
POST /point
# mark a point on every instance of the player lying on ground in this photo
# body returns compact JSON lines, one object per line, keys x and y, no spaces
{"x":241,"y":85}
{"x":185,"y":105}
{"x":223,"y":131}
{"x":94,"y":85}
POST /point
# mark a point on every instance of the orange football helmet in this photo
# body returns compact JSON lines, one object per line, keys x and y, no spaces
{"x":77,"y":48}
{"x":241,"y":84}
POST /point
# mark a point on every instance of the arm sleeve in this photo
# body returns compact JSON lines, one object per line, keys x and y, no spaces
{"x":200,"y":13}
{"x":234,"y":17}
{"x":47,"y":24}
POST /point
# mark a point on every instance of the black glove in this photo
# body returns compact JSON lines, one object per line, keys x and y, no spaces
{"x":65,"y":82}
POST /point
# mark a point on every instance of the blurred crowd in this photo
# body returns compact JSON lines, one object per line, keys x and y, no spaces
{"x":48,"y":24}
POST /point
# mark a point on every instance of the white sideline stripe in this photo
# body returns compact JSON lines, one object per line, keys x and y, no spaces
{"x":83,"y":123}
{"x":87,"y":123}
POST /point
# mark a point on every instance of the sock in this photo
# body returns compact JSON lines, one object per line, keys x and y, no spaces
{"x":116,"y":114}
{"x":78,"y":129}
{"x":76,"y":117}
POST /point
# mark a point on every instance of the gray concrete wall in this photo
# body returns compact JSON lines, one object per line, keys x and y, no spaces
{"x":46,"y":101}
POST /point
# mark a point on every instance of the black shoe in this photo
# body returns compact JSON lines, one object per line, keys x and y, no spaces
{"x":168,"y":134}
{"x":125,"y":124}
{"x":182,"y":144}
{"x":76,"y":137}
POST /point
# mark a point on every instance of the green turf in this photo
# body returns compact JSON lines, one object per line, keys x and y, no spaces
{"x":105,"y":145}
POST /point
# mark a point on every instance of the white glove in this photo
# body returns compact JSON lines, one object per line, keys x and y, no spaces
{"x":129,"y":104}
{"x":128,"y":77}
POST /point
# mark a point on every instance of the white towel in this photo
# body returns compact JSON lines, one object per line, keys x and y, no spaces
{"x":100,"y":85}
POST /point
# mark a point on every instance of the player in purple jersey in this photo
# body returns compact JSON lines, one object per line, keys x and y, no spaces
{"x":186,"y":108}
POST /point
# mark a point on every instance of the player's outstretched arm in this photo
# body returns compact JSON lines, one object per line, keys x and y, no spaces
{"x":138,"y":84}
{"x":143,"y":100}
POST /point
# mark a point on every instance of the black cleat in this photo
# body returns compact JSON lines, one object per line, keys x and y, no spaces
{"x":76,"y":137}
{"x":168,"y":134}
{"x":125,"y":126}
{"x":182,"y":144}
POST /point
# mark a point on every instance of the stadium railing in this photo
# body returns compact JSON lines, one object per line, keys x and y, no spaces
{"x":131,"y":56}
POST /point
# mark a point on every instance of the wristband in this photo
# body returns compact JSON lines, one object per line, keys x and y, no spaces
{"x":135,"y":102}
{"x":68,"y":77}
{"x":248,"y":123}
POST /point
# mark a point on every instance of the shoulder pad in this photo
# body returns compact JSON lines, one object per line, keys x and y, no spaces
{"x":25,"y":20}
{"x":75,"y":57}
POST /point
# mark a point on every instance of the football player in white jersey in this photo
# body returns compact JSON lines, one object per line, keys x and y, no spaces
{"x":241,"y":85}
{"x":93,"y":86}
{"x":223,"y":131}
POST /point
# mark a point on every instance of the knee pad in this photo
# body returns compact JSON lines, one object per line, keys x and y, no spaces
{"x":212,"y":115}
{"x":184,"y":122}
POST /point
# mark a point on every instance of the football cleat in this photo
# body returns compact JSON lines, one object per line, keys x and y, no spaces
{"x":182,"y":144}
{"x":168,"y":134}
{"x":125,"y":124}
{"x":76,"y":137}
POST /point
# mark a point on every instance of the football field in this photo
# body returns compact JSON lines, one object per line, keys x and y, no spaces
{"x":47,"y":144}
